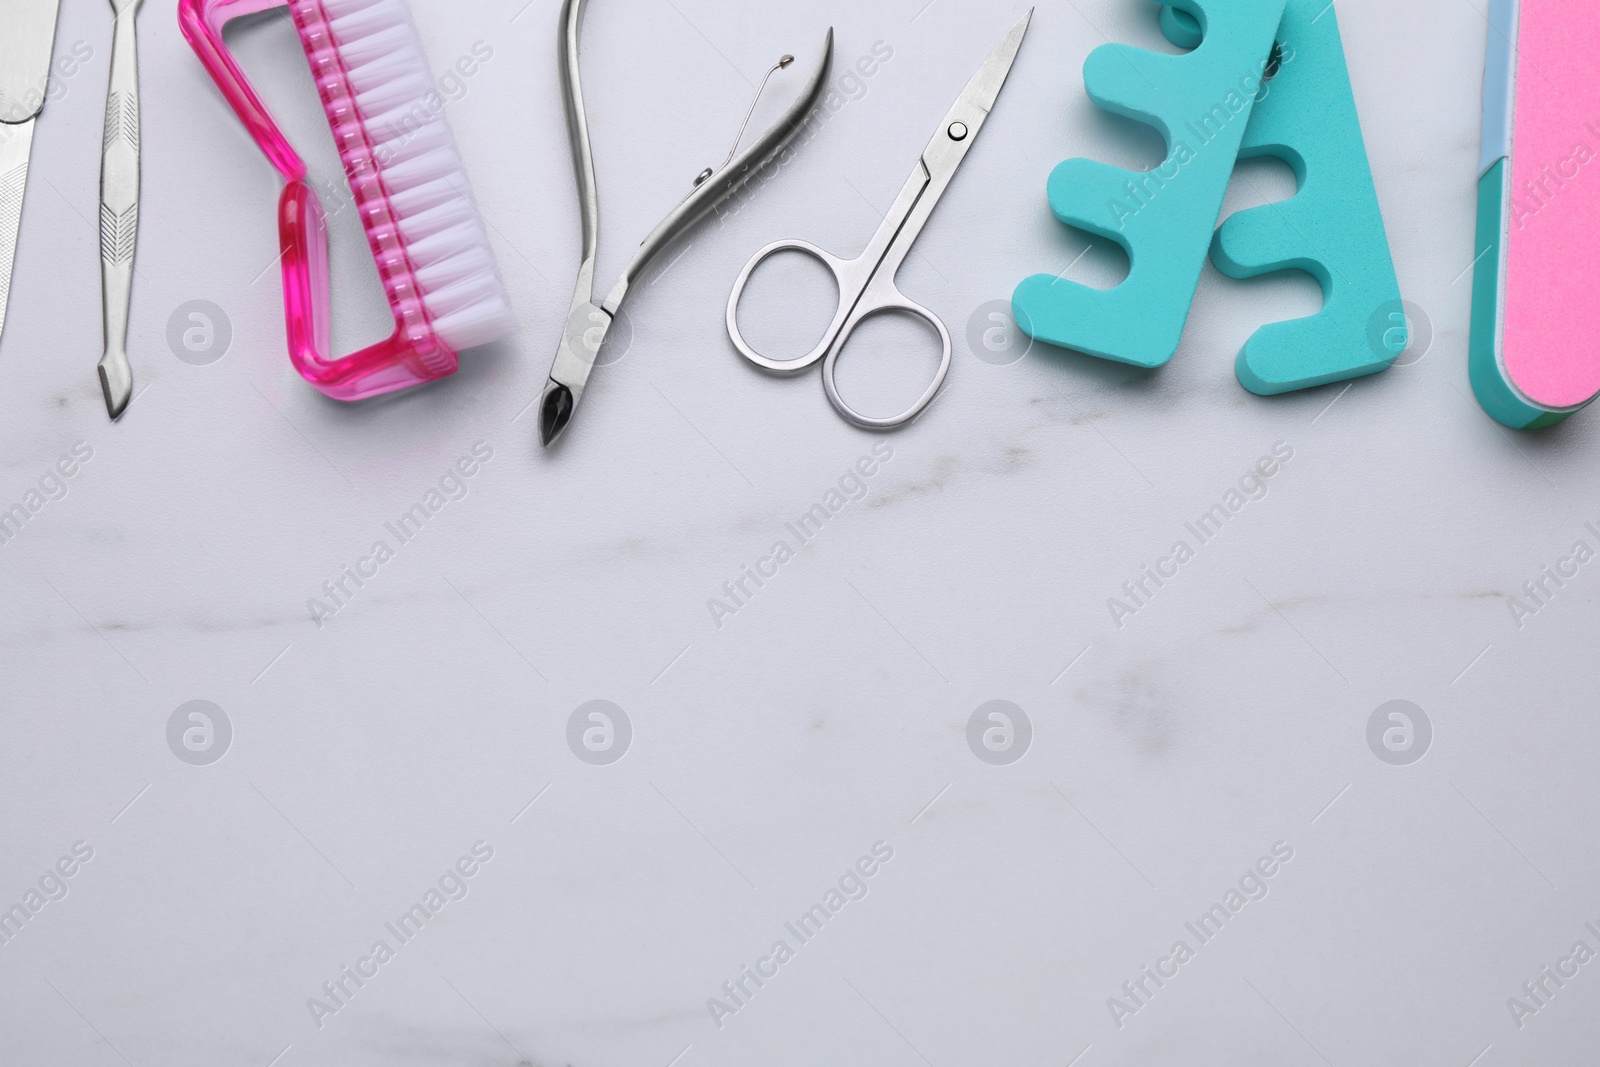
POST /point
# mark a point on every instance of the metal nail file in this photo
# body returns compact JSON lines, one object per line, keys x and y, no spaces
{"x":27,"y":38}
{"x":119,"y":205}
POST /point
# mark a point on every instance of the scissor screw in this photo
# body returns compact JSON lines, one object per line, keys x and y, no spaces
{"x":958,"y":131}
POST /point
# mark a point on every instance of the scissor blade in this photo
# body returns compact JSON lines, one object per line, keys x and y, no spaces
{"x":585,"y":336}
{"x":984,"y":88}
{"x":16,"y":145}
{"x":959,"y":131}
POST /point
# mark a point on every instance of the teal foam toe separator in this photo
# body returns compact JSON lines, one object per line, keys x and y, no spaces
{"x":1181,"y":28}
{"x":1201,"y":103}
{"x":1332,"y":228}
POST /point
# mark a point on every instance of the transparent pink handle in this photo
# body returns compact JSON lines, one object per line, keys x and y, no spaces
{"x":202,"y":22}
{"x":411,"y":356}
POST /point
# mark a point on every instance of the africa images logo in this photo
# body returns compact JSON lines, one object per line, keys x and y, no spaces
{"x":852,"y":487}
{"x":851,"y":886}
{"x":199,"y":733}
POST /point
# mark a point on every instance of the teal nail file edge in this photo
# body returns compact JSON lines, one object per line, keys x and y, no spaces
{"x":1494,"y":390}
{"x":1200,"y":102}
{"x":1332,"y":228}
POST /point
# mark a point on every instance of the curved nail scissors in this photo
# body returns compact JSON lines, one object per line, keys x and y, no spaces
{"x":867,"y":284}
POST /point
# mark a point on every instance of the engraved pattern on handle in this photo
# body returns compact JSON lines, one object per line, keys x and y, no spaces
{"x":119,"y":233}
{"x":13,"y":184}
{"x":122,"y":119}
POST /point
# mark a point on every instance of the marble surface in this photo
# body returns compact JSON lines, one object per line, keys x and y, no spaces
{"x":414,"y":748}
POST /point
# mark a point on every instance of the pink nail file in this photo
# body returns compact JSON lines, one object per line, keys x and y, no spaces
{"x":1535,"y":353}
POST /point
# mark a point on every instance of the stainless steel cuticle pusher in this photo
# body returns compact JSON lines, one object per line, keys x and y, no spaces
{"x":119,"y":205}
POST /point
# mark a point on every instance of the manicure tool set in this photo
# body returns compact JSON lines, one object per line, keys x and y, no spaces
{"x":1253,"y":78}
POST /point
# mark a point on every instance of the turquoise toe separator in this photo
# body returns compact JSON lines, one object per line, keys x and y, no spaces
{"x":1201,"y":102}
{"x":1332,"y":228}
{"x":1181,"y":28}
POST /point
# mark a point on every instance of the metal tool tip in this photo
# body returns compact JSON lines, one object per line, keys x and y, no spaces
{"x":116,"y":384}
{"x":555,"y":411}
{"x":785,"y":62}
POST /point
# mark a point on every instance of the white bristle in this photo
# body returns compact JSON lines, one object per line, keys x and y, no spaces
{"x":360,"y":23}
{"x":344,"y":7}
{"x":455,"y":269}
{"x":430,"y":222}
{"x":386,"y":68}
{"x":360,"y":35}
{"x":388,"y":121}
{"x":435,"y":136}
{"x":437,"y":165}
{"x":421,"y":170}
{"x":397,"y":95}
{"x":424,"y":198}
{"x":438,"y":247}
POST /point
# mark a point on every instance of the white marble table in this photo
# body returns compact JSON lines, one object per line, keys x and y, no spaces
{"x":606,"y":913}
